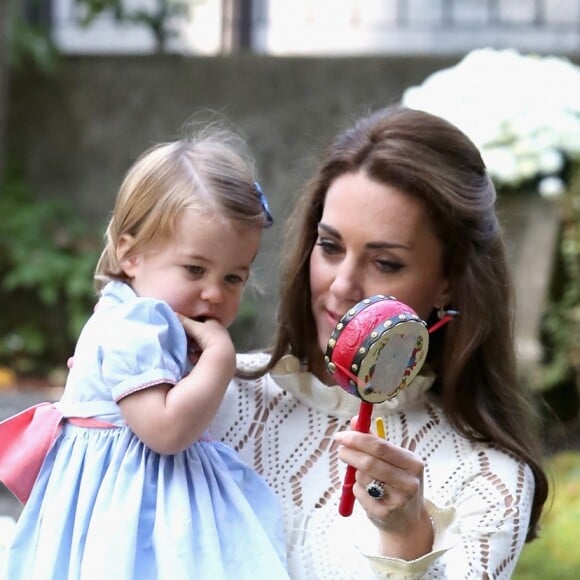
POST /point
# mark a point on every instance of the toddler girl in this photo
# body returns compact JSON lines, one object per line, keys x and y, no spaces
{"x":121,"y":479}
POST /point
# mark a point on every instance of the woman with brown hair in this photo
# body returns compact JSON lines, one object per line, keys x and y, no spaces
{"x":401,"y":205}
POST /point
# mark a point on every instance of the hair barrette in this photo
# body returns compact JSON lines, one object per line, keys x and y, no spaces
{"x":265,"y":206}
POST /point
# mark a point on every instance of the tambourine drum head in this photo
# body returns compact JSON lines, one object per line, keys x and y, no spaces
{"x":377,"y":348}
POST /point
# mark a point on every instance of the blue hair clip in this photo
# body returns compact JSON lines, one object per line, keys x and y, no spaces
{"x":267,"y":213}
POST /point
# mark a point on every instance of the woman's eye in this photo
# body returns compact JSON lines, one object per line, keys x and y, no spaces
{"x":388,"y":265}
{"x":328,"y":246}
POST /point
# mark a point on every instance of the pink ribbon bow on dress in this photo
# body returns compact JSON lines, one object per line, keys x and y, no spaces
{"x":25,"y":440}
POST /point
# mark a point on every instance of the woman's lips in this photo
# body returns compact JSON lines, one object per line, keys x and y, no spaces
{"x":331,"y":318}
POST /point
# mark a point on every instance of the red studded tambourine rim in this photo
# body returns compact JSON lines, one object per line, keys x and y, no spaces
{"x":404,"y":323}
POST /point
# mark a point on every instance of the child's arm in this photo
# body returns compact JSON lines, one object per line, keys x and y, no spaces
{"x":169,"y":419}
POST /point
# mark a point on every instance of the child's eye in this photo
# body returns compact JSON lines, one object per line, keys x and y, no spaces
{"x":194,"y":270}
{"x":328,"y":246}
{"x":235,"y":279}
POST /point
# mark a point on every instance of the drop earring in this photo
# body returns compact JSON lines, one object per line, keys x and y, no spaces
{"x":444,"y":315}
{"x":443,"y":312}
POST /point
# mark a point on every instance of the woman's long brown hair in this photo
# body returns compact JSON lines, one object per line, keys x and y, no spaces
{"x":429,"y":158}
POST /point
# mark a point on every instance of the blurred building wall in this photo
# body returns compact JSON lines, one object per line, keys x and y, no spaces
{"x":75,"y":133}
{"x":333,"y":27}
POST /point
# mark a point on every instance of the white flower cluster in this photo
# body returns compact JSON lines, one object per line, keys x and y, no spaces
{"x":522,"y":111}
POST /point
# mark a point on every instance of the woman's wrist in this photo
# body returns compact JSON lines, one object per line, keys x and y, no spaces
{"x":410,"y":543}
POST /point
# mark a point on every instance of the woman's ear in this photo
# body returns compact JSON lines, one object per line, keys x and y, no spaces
{"x":126,"y":261}
{"x":443,"y":297}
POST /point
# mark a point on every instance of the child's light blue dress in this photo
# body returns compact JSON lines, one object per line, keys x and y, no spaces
{"x":105,"y":506}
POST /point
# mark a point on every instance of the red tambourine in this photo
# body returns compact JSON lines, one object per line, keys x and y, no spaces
{"x":377,"y":348}
{"x":374,"y":352}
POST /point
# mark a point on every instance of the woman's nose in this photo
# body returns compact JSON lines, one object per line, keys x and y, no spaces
{"x":347,"y":284}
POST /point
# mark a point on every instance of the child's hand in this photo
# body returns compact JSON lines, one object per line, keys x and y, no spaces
{"x":167,"y":418}
{"x":208,"y":337}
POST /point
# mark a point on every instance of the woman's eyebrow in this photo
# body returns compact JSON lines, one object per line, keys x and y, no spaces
{"x":386,"y":245}
{"x":329,"y":230}
{"x":376,"y":245}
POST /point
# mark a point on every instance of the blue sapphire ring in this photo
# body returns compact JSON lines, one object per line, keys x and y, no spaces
{"x":376,"y":489}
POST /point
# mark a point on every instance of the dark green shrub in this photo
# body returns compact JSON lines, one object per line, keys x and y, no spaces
{"x":47,"y":256}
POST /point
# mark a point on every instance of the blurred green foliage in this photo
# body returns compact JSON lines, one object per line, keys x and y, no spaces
{"x":561,"y":321}
{"x":28,"y":43}
{"x":47,"y":258}
{"x":555,"y":553}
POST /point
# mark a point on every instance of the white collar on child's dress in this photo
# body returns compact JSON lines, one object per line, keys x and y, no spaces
{"x":289,"y":375}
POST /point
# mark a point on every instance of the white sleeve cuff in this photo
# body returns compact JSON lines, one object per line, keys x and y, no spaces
{"x":387,"y":567}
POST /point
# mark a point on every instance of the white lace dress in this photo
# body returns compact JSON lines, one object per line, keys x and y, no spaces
{"x":478,"y":496}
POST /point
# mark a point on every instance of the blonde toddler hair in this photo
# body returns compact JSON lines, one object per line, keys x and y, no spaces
{"x":211,"y":172}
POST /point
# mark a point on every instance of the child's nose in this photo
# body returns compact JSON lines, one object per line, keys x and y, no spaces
{"x":212,"y":292}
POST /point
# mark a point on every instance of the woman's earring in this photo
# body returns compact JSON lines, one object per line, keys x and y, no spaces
{"x":442,"y":312}
{"x":444,"y":315}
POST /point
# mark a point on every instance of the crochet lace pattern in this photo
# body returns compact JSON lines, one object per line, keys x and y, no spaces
{"x":481,"y":496}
